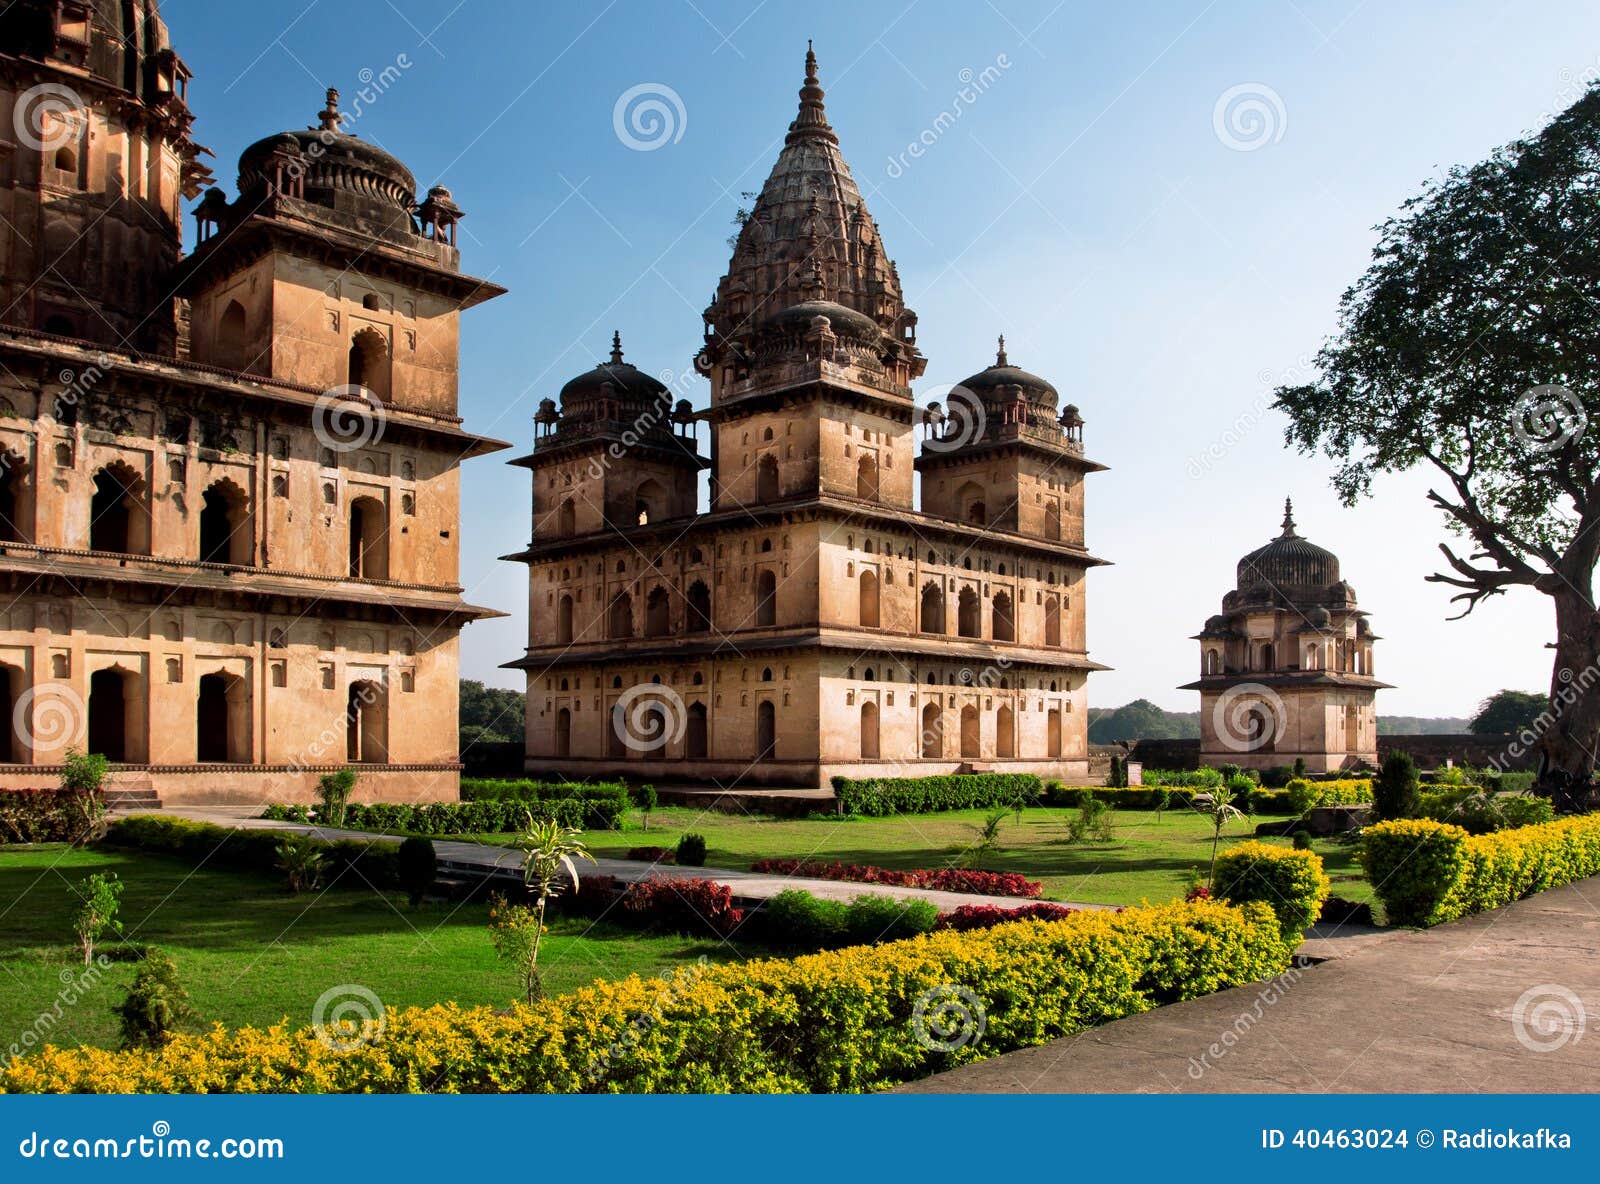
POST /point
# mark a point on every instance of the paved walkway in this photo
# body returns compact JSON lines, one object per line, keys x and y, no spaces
{"x":745,"y":885}
{"x":1401,"y":1012}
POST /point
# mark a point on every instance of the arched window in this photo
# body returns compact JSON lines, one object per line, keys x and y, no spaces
{"x":969,"y":621}
{"x":869,"y":731}
{"x":1005,"y":739}
{"x":564,"y":732}
{"x":969,"y":503}
{"x":621,"y":616}
{"x":1052,"y":521}
{"x":1052,"y":620}
{"x":1265,"y":661}
{"x":699,"y":607}
{"x":231,"y":336}
{"x":369,"y":363}
{"x":649,"y":503}
{"x":932,"y":615}
{"x":117,"y":715}
{"x":367,"y":723}
{"x":369,"y":539}
{"x":117,"y":518}
{"x":766,"y":598}
{"x":767,"y":479}
{"x":932,"y":732}
{"x":971,"y":743}
{"x":1053,"y":733}
{"x":567,"y":518}
{"x":225,"y":525}
{"x":222,"y":719}
{"x":16,"y":503}
{"x":694,"y":736}
{"x":657,"y":613}
{"x":867,"y":477}
{"x":564,"y":621}
{"x":1005,"y":621}
{"x":766,"y":730}
{"x":869,"y":599}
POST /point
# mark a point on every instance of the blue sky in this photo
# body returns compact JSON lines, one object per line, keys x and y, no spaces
{"x":1163,"y":264}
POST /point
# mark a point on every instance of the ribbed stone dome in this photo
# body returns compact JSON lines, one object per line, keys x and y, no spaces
{"x":1288,"y":561}
{"x":628,"y":391}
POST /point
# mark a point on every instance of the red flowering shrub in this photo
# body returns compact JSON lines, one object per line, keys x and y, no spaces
{"x":943,"y":879}
{"x":981,"y":916}
{"x":1198,"y":892}
{"x":685,"y":905}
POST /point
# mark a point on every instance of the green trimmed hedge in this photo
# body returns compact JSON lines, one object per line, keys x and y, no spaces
{"x":1291,"y":883}
{"x":1306,"y":794}
{"x":845,"y":1021}
{"x":1429,"y":872}
{"x":587,"y":807}
{"x":369,"y":864}
{"x":878,"y":796}
{"x":1261,"y":801}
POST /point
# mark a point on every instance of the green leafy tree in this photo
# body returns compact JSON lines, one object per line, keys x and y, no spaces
{"x":1471,"y":346}
{"x":1142,"y":720}
{"x":1395,"y":790}
{"x":418,"y":866}
{"x":99,"y":897}
{"x":157,"y":1006}
{"x":333,"y":792}
{"x":1508,"y":711}
{"x":490,"y":715}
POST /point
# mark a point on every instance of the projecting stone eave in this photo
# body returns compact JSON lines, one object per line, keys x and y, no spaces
{"x":817,"y":384}
{"x":1288,"y":680}
{"x":929,"y":460}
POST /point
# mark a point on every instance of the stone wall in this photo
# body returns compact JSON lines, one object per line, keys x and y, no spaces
{"x":1430,"y":752}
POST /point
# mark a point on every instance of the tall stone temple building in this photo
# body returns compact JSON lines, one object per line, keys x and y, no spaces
{"x":814,"y":620}
{"x":1286,"y":667}
{"x":229,"y":524}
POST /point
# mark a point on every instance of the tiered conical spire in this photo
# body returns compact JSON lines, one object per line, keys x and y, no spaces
{"x":1288,"y":519}
{"x":812,"y":122}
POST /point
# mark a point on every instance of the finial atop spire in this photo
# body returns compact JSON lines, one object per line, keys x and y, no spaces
{"x":812,"y":122}
{"x":616,"y":346}
{"x":329,"y":115}
{"x":1288,"y":518}
{"x":1000,"y":354}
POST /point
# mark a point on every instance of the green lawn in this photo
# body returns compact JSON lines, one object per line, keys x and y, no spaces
{"x":249,"y":953}
{"x":1148,"y":860}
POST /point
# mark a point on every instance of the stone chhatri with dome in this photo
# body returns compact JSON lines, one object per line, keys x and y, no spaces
{"x":815,"y":620}
{"x":1286,"y":668}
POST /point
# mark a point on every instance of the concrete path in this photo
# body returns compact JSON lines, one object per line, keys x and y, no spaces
{"x":747,"y":886}
{"x":1504,"y":1002}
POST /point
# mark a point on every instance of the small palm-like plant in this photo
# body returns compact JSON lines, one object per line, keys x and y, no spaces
{"x":301,"y":863}
{"x":550,"y":853}
{"x":1220,"y":811}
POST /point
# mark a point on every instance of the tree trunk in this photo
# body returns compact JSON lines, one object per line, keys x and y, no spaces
{"x":1570,"y":727}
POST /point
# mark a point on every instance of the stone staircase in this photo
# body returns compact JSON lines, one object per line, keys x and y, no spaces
{"x":133,"y":794}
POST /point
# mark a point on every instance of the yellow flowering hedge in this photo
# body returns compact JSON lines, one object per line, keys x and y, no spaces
{"x":1306,"y":795}
{"x":1428,"y":872}
{"x":846,"y":1020}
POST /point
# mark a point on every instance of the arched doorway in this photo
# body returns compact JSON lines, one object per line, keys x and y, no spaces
{"x":867,"y":477}
{"x":369,"y":539}
{"x":222,"y":719}
{"x":657,"y":613}
{"x":699,"y":607}
{"x":231,"y":336}
{"x":564,"y":732}
{"x":1052,"y":729}
{"x":117,"y":521}
{"x":1005,"y":622}
{"x":932,"y":615}
{"x":369,"y":363}
{"x":1052,"y":620}
{"x":766,"y":730}
{"x":969,"y":504}
{"x":567,"y":518}
{"x":694,"y":736}
{"x":116,"y":715}
{"x":869,"y":599}
{"x":224,"y":525}
{"x":1052,"y":521}
{"x":971,"y":736}
{"x":767,"y":479}
{"x":564,"y":621}
{"x":16,"y":502}
{"x":13,"y":682}
{"x":621,"y":616}
{"x":649,"y":503}
{"x":766,"y":598}
{"x":869,"y":731}
{"x":932,"y":732}
{"x":367,"y":723}
{"x":1005,"y":737}
{"x":969,"y":619}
